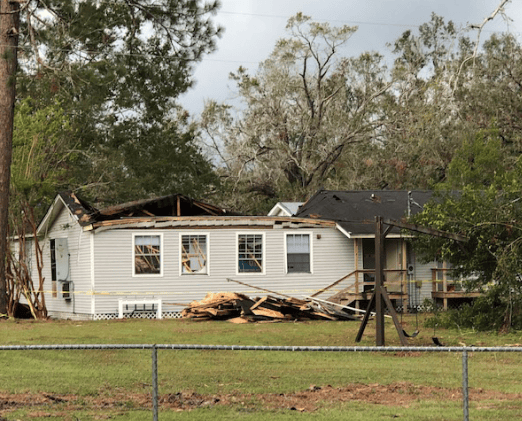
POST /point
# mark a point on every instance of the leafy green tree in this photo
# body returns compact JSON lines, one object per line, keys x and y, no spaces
{"x":41,"y":154}
{"x":488,"y":212}
{"x":478,"y":163}
{"x":490,"y":96}
{"x":119,"y":67}
{"x":422,"y":126}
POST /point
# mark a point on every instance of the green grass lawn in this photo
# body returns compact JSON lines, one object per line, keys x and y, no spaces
{"x":116,"y":384}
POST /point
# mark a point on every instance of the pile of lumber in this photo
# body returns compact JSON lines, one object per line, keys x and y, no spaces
{"x":239,"y":308}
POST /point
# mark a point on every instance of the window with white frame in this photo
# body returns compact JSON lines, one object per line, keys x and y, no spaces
{"x":298,"y":253}
{"x":194,"y":254}
{"x":147,"y":254}
{"x":250,"y":253}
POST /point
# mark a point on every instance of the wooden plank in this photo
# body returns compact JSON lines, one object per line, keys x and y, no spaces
{"x":258,"y":303}
{"x":323,"y":315}
{"x":261,"y":289}
{"x":238,"y":320}
{"x":334,"y":284}
{"x":268,"y":313}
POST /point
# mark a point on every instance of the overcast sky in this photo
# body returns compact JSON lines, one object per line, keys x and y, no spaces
{"x":253,"y":26}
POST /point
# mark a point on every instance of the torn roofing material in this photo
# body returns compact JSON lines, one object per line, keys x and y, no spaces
{"x":171,"y":205}
{"x":355,"y":211}
{"x":174,"y":211}
{"x":165,"y":206}
{"x":85,"y":213}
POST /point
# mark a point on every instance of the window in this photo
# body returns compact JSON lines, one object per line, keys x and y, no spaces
{"x":194,"y":254}
{"x":250,"y":253}
{"x":298,"y":253}
{"x":147,"y":255}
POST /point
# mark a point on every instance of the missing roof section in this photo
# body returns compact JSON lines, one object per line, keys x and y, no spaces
{"x":171,"y":205}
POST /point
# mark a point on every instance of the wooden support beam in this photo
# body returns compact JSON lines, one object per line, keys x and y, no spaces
{"x":426,"y":230}
{"x":379,"y":303}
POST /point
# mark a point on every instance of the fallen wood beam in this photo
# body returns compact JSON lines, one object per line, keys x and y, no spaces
{"x":258,"y":288}
{"x":347,"y":307}
{"x":334,"y":284}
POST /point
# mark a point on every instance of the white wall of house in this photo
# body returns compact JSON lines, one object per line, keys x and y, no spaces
{"x":65,"y":226}
{"x":332,"y":257}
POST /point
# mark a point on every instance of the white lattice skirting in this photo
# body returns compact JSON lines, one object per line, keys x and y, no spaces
{"x":139,"y":315}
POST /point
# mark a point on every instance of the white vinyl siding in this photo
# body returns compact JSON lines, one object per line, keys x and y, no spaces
{"x":332,"y":256}
{"x":78,"y":245}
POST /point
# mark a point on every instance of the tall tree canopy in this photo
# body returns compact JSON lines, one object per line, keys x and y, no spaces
{"x":311,"y":117}
{"x":118,"y":67}
{"x":304,"y":108}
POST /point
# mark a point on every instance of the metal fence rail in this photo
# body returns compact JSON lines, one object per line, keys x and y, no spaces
{"x":155,"y":347}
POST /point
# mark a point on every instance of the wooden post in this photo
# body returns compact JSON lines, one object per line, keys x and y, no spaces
{"x":444,"y":285}
{"x":356,"y":257}
{"x":404,"y":277}
{"x":379,"y":304}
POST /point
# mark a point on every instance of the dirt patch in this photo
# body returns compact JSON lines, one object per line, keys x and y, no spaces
{"x":400,"y":394}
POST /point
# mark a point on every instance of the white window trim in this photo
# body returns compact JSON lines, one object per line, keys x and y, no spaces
{"x":263,"y":272}
{"x":162,"y":254}
{"x":181,"y":273}
{"x":311,"y":236}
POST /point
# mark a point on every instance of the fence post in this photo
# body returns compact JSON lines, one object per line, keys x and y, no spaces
{"x":465,"y":397}
{"x":154,"y":383}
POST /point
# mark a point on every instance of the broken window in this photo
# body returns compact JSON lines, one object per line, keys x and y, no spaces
{"x":298,"y":253}
{"x":250,"y":253}
{"x":194,"y":254}
{"x":147,"y":255}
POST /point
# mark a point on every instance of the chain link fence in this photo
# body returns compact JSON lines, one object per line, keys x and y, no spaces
{"x":151,"y":379}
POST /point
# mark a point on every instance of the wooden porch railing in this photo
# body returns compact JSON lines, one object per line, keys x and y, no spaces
{"x":445,"y":288}
{"x":355,"y":287}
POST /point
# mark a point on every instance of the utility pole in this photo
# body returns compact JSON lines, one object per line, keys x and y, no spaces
{"x":9,"y":29}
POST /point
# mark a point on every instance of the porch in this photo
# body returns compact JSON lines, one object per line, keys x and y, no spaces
{"x":448,"y":292}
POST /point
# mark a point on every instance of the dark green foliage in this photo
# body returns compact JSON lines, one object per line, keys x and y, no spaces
{"x":486,"y":313}
{"x":118,"y":68}
{"x":491,"y":259}
{"x":41,"y":155}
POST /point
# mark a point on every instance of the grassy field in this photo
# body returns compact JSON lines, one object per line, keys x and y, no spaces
{"x":116,"y":384}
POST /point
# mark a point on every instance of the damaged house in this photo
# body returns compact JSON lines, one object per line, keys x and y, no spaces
{"x":151,"y":258}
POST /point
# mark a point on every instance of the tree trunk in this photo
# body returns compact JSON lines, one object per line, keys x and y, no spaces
{"x":9,"y":27}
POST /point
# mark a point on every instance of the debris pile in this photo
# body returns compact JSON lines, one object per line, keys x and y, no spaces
{"x":239,"y":308}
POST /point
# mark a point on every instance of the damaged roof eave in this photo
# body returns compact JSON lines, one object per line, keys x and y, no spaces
{"x":210,"y":222}
{"x":346,"y":233}
{"x":51,"y":215}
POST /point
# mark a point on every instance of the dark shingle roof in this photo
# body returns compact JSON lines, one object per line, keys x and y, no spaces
{"x":355,"y":211}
